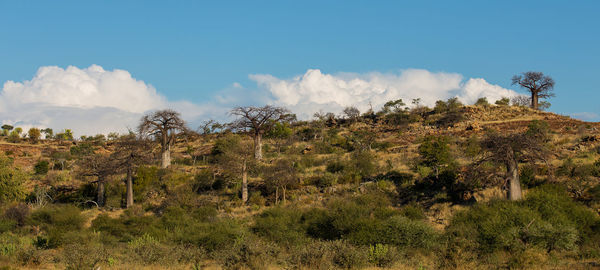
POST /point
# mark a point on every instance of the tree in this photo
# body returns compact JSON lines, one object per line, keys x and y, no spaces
{"x":6,"y":129}
{"x":394,"y":106}
{"x":34,"y":134}
{"x":130,"y":153}
{"x":48,"y":133}
{"x":504,"y":101}
{"x":164,"y":126}
{"x":259,"y":120}
{"x":435,"y":153}
{"x":352,"y":113}
{"x":99,"y":166}
{"x":281,"y":175}
{"x":538,"y":84}
{"x":234,"y":159}
{"x":512,"y":148}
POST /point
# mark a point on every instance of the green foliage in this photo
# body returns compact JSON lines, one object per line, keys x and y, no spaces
{"x":482,"y":102}
{"x":41,"y":167}
{"x":60,"y":223}
{"x":282,"y":225}
{"x":148,"y":249}
{"x":548,"y":219}
{"x":279,"y":131}
{"x":82,"y":149}
{"x":11,"y":181}
{"x":504,"y":101}
{"x":382,"y":255}
{"x":435,"y":152}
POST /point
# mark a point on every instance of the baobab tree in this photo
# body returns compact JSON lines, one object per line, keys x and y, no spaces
{"x":101,"y":167}
{"x":510,"y":149}
{"x":164,"y":126}
{"x":538,"y":84}
{"x":259,"y":120}
{"x":235,"y":159}
{"x":131,"y":152}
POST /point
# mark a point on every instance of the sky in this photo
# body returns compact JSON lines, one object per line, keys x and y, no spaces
{"x":97,"y":66}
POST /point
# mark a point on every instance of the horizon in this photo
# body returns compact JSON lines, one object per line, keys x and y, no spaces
{"x":71,"y":64}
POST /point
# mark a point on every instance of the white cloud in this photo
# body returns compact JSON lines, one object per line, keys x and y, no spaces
{"x":586,"y":116}
{"x":93,"y":100}
{"x":315,"y":91}
{"x":89,"y":101}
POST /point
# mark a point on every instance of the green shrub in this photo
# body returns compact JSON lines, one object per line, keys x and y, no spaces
{"x":347,"y":256}
{"x":257,"y":199}
{"x":11,"y":181}
{"x":281,"y":225}
{"x":247,"y":253}
{"x":84,"y":255}
{"x":313,"y":255}
{"x":382,"y":255}
{"x":335,"y":166}
{"x":61,"y":224}
{"x":41,"y":167}
{"x":413,"y":212}
{"x":148,"y":249}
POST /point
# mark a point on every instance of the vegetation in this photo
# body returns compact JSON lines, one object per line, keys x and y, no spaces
{"x":454,"y":186}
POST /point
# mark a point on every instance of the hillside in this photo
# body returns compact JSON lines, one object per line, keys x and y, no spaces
{"x":403,"y":189}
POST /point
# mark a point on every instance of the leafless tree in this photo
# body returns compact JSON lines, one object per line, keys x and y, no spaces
{"x":538,"y":84}
{"x":512,"y":148}
{"x":99,"y":166}
{"x":259,"y":120}
{"x":131,"y":152}
{"x":164,"y":126}
{"x":281,"y":176}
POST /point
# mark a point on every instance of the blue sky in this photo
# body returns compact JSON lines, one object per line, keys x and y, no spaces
{"x":191,"y":50}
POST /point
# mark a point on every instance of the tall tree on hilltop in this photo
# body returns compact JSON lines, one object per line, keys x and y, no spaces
{"x":538,"y":84}
{"x":164,"y":126}
{"x":259,"y":120}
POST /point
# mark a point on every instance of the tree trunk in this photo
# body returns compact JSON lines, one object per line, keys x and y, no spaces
{"x":514,"y":185}
{"x":129,"y":202}
{"x":100,"y":195}
{"x":283,"y":195}
{"x":258,"y":146}
{"x":166,"y":157}
{"x":244,"y":183}
{"x":276,"y":195}
{"x":534,"y":100}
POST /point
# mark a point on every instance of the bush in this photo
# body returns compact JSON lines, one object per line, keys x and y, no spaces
{"x":503,"y":101}
{"x":18,"y":213}
{"x":61,"y":224}
{"x":84,"y":255}
{"x":11,"y":181}
{"x":345,"y":255}
{"x":482,"y":102}
{"x":548,"y":220}
{"x":382,"y":255}
{"x":148,"y":249}
{"x":281,"y":225}
{"x":41,"y":167}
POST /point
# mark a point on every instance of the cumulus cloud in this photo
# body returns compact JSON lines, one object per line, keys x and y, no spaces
{"x":90,"y":100}
{"x":315,"y":90}
{"x":94,"y":100}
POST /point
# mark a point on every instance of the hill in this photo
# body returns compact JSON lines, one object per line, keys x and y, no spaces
{"x":393,"y":189}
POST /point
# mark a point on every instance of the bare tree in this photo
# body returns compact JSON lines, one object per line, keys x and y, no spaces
{"x":259,"y":120}
{"x":164,"y":126}
{"x":512,"y":148}
{"x":281,"y":176}
{"x":538,"y":84}
{"x":101,"y":167}
{"x":131,"y":152}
